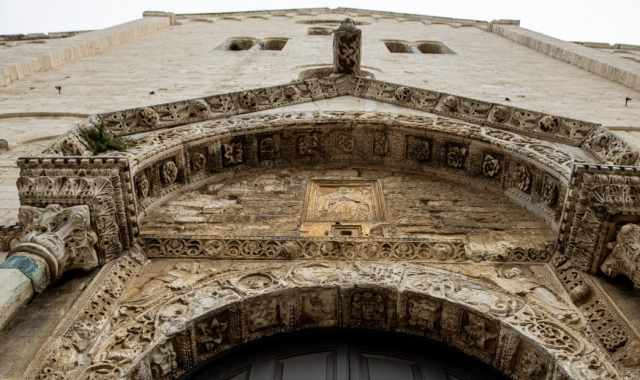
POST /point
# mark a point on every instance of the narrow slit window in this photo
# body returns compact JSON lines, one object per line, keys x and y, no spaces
{"x":398,"y":47}
{"x":273,"y":43}
{"x":239,"y":44}
{"x":433,"y":47}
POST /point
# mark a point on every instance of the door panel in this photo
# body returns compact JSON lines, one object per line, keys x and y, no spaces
{"x":315,"y":366}
{"x":345,"y":356}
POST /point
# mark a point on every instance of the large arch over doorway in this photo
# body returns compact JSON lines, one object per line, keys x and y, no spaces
{"x":191,"y":311}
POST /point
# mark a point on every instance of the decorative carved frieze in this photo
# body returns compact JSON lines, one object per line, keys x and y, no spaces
{"x":102,"y":184}
{"x":70,"y":344}
{"x":605,"y":145}
{"x":611,"y":330}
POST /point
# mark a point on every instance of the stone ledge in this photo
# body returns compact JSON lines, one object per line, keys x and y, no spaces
{"x":612,"y":68}
{"x":28,"y":60}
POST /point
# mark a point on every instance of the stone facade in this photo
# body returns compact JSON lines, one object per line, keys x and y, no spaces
{"x":357,"y":194}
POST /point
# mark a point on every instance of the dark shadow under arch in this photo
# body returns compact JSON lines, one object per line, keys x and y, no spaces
{"x":343,"y":354}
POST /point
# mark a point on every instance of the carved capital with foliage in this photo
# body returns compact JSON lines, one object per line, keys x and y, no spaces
{"x":624,"y":259}
{"x":63,"y":237}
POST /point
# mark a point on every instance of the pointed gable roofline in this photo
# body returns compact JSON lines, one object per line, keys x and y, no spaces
{"x":592,"y":137}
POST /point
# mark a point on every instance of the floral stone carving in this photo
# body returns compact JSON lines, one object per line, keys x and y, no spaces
{"x":624,"y":259}
{"x":61,"y":237}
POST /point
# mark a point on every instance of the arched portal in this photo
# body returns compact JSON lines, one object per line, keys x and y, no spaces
{"x":344,"y":354}
{"x":181,"y":314}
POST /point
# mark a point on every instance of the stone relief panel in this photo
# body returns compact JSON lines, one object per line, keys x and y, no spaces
{"x":167,"y":322}
{"x":330,"y":203}
{"x":334,"y":205}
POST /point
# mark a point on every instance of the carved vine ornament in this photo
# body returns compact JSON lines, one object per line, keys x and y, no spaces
{"x":576,"y":175}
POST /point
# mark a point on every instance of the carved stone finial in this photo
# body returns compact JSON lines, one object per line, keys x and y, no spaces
{"x":347,"y":46}
{"x":624,"y":259}
{"x":63,"y":237}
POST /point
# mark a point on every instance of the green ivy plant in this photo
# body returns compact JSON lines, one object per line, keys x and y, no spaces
{"x":99,"y":140}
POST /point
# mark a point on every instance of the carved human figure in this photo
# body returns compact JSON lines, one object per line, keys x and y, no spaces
{"x":347,"y":46}
{"x":624,"y":258}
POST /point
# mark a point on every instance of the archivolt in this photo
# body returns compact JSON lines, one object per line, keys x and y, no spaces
{"x":193,"y":312}
{"x":170,"y":161}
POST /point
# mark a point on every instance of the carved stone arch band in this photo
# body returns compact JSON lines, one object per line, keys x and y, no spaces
{"x":205,"y":311}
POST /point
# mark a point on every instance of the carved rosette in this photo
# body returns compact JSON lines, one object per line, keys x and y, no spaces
{"x":491,"y":166}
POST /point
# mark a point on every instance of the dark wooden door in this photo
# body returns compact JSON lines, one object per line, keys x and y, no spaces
{"x":346,"y":356}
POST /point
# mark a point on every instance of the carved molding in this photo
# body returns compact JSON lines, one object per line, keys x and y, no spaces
{"x":171,"y":323}
{"x":454,"y":149}
{"x":102,"y":184}
{"x":68,"y":346}
{"x":444,"y":249}
{"x":611,"y":330}
{"x":546,"y":127}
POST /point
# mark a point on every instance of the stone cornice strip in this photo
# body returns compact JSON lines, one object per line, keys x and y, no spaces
{"x":25,"y":60}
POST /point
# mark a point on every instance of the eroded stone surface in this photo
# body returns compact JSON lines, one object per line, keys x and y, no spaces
{"x":269,"y":204}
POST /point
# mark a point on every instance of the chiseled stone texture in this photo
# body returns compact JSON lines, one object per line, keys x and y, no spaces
{"x":271,"y":203}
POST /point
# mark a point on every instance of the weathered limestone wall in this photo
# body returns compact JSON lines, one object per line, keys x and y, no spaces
{"x":185,"y":61}
{"x":271,"y":204}
{"x":26,"y":59}
{"x":594,"y":61}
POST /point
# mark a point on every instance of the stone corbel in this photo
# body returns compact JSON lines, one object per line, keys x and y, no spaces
{"x":624,"y":258}
{"x":347,"y":47}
